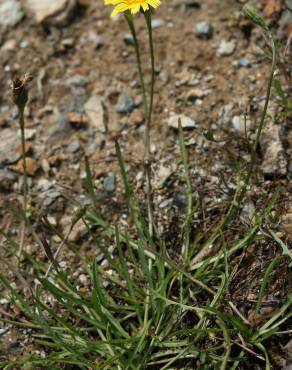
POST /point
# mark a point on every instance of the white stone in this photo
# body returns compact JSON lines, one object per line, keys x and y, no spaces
{"x":29,"y":133}
{"x":9,"y":45}
{"x":95,"y":112}
{"x":9,"y":144}
{"x":56,"y":12}
{"x":241,"y":125}
{"x":225,"y":116}
{"x":226,"y":48}
{"x":43,"y":184}
{"x":10,"y":13}
{"x":161,"y":175}
{"x":186,"y":122}
{"x":274,"y":162}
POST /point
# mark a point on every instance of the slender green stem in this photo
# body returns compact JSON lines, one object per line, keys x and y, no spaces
{"x":240,"y":194}
{"x":25,"y":187}
{"x":147,"y":109}
{"x":131,"y":25}
{"x":148,"y":126}
{"x":23,"y":148}
{"x":184,"y":157}
{"x":149,"y":28}
{"x":259,"y":131}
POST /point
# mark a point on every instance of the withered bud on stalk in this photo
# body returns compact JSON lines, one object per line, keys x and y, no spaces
{"x":47,"y":248}
{"x":255,"y":16}
{"x":20,"y":91}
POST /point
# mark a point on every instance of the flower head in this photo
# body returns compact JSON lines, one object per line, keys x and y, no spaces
{"x":134,"y":6}
{"x":20,"y":90}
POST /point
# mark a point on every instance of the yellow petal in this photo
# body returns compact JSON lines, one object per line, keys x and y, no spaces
{"x":135,"y":8}
{"x":145,"y":6}
{"x":153,"y":3}
{"x":120,"y":8}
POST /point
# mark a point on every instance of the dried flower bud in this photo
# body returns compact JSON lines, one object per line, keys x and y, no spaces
{"x":20,"y":91}
{"x":47,"y":248}
{"x":255,"y":16}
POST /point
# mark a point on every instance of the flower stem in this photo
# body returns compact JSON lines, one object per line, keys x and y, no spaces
{"x":240,"y":194}
{"x":23,"y":149}
{"x":147,"y":109}
{"x":130,"y":22}
{"x":147,"y":15}
{"x":25,"y":187}
{"x":255,"y":146}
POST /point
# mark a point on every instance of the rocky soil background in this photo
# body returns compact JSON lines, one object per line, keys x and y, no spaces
{"x":85,"y":94}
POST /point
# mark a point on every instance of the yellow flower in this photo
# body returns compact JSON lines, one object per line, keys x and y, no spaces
{"x":133,"y":5}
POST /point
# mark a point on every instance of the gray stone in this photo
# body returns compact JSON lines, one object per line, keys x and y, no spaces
{"x":28,"y":132}
{"x":274,"y":160}
{"x":96,"y":39}
{"x":165,"y":203}
{"x":94,"y":109}
{"x":9,"y":145}
{"x":204,"y":29}
{"x":243,"y":62}
{"x":125,"y":104}
{"x":225,"y":116}
{"x":162,"y":174}
{"x":226,"y":48}
{"x":77,"y":81}
{"x":186,"y":122}
{"x":248,"y":212}
{"x":83,"y":200}
{"x":99,"y":257}
{"x":51,"y":196}
{"x":128,"y":39}
{"x":156,"y":23}
{"x":109,"y":183}
{"x":10,"y":13}
{"x":241,"y":125}
{"x":180,"y":200}
{"x":61,"y":129}
{"x":73,"y":147}
{"x":24,"y":44}
{"x":9,"y":45}
{"x":54,"y":12}
{"x":44,"y":184}
{"x":3,"y":330}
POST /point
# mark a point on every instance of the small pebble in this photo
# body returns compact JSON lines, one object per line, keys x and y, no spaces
{"x":226,"y":48}
{"x":128,"y":39}
{"x":136,"y":118}
{"x":204,"y":30}
{"x":10,"y":13}
{"x":243,"y":62}
{"x":109,"y":183}
{"x":125,"y":104}
{"x":157,"y":23}
{"x":96,"y":39}
{"x":186,"y":122}
{"x":73,"y":147}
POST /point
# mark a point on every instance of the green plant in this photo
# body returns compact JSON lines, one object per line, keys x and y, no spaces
{"x":148,"y":107}
{"x":140,"y":315}
{"x":20,"y":98}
